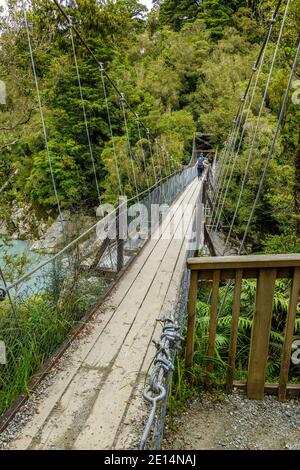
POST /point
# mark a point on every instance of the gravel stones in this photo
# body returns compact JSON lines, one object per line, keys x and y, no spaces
{"x":233,"y":422}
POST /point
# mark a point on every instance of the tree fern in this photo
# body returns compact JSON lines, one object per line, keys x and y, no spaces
{"x":245,"y":323}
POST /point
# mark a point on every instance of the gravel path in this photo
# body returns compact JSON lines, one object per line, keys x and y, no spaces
{"x":233,"y":422}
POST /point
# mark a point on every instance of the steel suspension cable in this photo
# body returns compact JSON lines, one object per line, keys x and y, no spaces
{"x":220,"y":170}
{"x":237,"y":151}
{"x":262,"y":179}
{"x":151,"y":154}
{"x":102,"y":70}
{"x":158,"y":159}
{"x":242,"y":136}
{"x":84,"y":113}
{"x":122,"y":101}
{"x":265,"y":93}
{"x":232,"y":144}
{"x":99,"y":64}
{"x":142,"y":149}
{"x":271,"y":151}
{"x":166,"y":159}
{"x":259,"y":56}
{"x":228,"y":158}
{"x":161,"y":157}
{"x":80,"y":237}
{"x":257,"y":63}
{"x":13,"y":174}
{"x":42,"y":120}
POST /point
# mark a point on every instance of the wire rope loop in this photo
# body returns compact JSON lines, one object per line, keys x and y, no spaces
{"x":159,"y":397}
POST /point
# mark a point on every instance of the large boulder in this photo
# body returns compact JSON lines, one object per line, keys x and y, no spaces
{"x":62,"y":231}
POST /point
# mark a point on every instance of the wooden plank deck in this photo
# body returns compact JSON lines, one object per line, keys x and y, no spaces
{"x":90,"y":399}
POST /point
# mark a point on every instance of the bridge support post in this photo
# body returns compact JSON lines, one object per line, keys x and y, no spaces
{"x":121,"y":225}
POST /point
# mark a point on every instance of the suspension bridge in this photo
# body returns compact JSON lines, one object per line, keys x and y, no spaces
{"x":137,"y":284}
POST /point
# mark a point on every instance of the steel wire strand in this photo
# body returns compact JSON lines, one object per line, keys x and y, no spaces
{"x":73,"y":243}
{"x":269,"y":156}
{"x":129,"y":145}
{"x":99,"y":64}
{"x":244,"y":127}
{"x":258,"y":61}
{"x":84,"y":113}
{"x":142,"y":150}
{"x":102,"y":70}
{"x":252,"y":141}
{"x":43,"y":120}
{"x":260,"y":111}
{"x":227,"y":157}
{"x":271,"y":151}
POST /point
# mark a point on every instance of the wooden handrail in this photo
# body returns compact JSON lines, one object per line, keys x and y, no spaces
{"x":243,"y":262}
{"x":266,"y":269}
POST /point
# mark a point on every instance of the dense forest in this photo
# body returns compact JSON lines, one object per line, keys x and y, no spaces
{"x":183,"y":67}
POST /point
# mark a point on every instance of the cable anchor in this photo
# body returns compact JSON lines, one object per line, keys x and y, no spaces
{"x":273,"y":19}
{"x":2,"y":294}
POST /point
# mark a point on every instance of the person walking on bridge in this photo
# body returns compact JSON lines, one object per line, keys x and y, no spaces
{"x":201,"y":165}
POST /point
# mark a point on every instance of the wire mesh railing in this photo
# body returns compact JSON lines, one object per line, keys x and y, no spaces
{"x":41,"y":302}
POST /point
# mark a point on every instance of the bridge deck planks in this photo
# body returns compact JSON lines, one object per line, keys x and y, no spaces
{"x":88,"y":401}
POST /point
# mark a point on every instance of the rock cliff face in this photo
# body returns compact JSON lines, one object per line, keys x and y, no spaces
{"x":54,"y":238}
{"x":54,"y":235}
{"x":3,"y":228}
{"x":46,"y":238}
{"x":23,"y":224}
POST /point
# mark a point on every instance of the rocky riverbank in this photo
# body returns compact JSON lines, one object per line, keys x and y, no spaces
{"x":45,"y":236}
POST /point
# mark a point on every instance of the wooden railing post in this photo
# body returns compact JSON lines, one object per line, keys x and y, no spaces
{"x":234,"y":329}
{"x":261,"y":333}
{"x":212,"y":324}
{"x":289,"y":332}
{"x":192,"y":301}
{"x":265,"y":269}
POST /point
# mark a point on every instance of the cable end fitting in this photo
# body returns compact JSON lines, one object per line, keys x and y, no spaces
{"x":2,"y":294}
{"x":273,"y":19}
{"x":101,"y":66}
{"x":122,"y":96}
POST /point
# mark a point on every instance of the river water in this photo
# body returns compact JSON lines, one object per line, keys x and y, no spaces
{"x":16,"y":248}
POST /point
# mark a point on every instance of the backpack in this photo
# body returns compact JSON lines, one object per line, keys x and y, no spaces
{"x":200,"y":162}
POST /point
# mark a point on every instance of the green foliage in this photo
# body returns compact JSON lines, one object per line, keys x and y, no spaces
{"x":215,"y":13}
{"x":183,"y":70}
{"x":45,"y":309}
{"x":186,"y":383}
